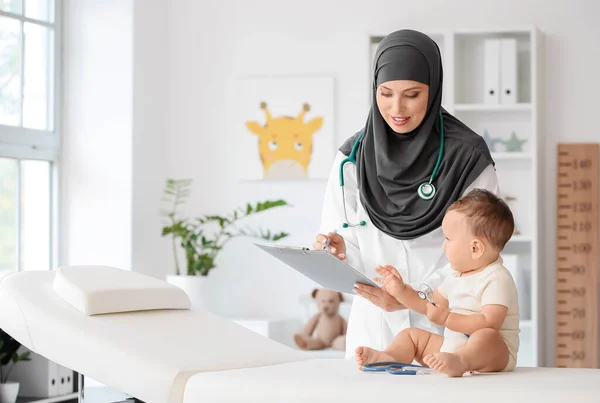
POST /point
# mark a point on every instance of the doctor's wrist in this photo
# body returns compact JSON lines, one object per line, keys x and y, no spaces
{"x":393,"y":305}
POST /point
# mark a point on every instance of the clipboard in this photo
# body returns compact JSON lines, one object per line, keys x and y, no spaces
{"x":320,"y":266}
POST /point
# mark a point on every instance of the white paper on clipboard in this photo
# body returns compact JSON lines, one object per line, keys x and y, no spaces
{"x":320,"y":266}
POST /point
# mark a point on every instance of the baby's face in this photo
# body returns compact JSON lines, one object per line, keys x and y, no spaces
{"x":457,"y":241}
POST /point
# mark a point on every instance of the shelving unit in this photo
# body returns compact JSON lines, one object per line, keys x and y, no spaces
{"x":519,"y":173}
{"x":492,"y":108}
{"x":501,"y":156}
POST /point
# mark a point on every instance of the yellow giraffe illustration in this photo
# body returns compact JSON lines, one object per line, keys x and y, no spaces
{"x":285,"y":143}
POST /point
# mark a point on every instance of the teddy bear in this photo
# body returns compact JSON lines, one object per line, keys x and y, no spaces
{"x":326,"y":328}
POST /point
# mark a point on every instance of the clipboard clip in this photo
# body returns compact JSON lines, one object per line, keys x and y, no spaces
{"x":280,"y":248}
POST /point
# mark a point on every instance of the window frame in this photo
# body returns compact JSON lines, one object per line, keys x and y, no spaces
{"x":20,"y":143}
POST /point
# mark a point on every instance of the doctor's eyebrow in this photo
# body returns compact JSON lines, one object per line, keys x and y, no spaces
{"x":408,"y":89}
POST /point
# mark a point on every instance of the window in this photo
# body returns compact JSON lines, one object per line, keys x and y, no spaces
{"x":29,"y":133}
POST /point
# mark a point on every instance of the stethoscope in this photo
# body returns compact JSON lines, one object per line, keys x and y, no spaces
{"x":426,"y":293}
{"x":397,"y":368}
{"x":426,"y":190}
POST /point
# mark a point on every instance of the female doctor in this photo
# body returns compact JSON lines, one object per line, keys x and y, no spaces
{"x":400,"y":172}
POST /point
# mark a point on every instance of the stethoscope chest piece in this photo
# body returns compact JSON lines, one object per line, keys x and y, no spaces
{"x":426,"y":191}
{"x":426,"y":293}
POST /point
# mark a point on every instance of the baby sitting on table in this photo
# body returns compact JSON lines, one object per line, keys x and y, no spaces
{"x":477,"y":303}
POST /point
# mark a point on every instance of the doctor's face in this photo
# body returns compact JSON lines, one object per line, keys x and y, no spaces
{"x":458,"y":242}
{"x":403,"y":104}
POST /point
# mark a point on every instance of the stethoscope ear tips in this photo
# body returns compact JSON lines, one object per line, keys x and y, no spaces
{"x":362,"y":224}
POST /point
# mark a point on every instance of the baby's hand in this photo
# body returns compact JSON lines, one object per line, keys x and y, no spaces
{"x":391,"y":280}
{"x":437,"y":313}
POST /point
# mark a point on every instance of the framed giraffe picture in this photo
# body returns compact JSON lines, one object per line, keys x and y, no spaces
{"x":286,"y":128}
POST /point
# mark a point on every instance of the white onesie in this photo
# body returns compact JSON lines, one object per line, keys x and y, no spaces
{"x":467,"y":295}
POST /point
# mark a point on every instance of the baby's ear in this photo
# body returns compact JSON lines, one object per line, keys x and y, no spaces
{"x":314,"y":293}
{"x":341,"y":297}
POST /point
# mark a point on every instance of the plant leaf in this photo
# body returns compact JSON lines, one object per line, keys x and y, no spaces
{"x":281,"y":235}
{"x":221,"y":220}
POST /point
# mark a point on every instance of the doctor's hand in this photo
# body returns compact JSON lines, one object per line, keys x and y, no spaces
{"x":378,"y":297}
{"x":337,"y":246}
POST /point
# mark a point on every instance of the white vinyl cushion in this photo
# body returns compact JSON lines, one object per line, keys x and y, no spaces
{"x":96,"y":290}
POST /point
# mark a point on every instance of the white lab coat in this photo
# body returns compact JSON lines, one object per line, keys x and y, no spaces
{"x":420,"y":260}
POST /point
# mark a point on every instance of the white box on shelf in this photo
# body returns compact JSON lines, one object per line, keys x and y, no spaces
{"x":37,"y":378}
{"x":491,"y":71}
{"x":508,"y":71}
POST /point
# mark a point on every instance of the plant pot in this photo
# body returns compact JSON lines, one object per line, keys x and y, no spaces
{"x":193,"y":287}
{"x":9,"y":392}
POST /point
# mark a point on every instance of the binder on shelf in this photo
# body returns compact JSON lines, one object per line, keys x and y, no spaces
{"x":37,"y":378}
{"x":65,"y":381}
{"x":508,"y":71}
{"x":491,"y":71}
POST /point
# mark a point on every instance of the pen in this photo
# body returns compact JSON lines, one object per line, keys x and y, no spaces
{"x":329,"y":240}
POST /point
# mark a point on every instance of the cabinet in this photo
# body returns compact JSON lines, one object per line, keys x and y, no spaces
{"x":511,"y":127}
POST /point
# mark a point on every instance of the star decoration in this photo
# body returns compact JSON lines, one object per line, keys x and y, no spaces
{"x":514,"y":144}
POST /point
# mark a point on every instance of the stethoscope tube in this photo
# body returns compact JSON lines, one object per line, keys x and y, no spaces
{"x":348,"y":224}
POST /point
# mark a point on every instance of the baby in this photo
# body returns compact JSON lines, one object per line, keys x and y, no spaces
{"x":477,"y":303}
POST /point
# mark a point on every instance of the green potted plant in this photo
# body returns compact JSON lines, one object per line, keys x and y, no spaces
{"x":8,"y":358}
{"x":203,"y":238}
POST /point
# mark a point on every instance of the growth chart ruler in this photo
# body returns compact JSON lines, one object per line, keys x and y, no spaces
{"x":577,"y":256}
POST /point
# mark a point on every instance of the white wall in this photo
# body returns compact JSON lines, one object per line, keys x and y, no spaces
{"x":96,"y":152}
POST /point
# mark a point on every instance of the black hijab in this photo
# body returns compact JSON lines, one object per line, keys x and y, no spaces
{"x":391,"y":166}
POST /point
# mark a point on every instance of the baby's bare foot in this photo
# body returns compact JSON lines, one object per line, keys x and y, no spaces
{"x":447,"y":363}
{"x":366,"y":355}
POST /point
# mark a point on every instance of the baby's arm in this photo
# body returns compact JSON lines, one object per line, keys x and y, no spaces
{"x":491,"y":316}
{"x":410,"y":299}
{"x":394,"y":284}
{"x":404,"y":293}
{"x":495,"y":297}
